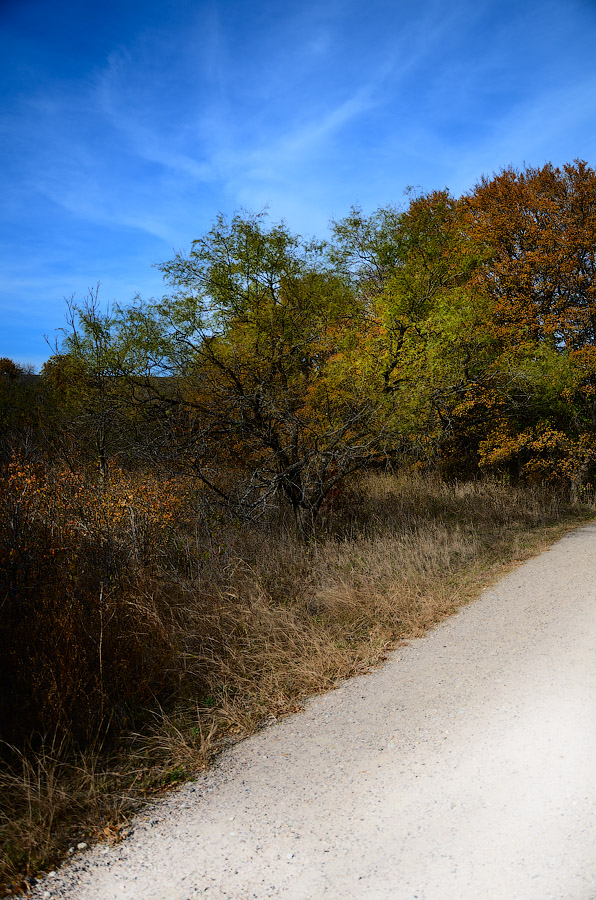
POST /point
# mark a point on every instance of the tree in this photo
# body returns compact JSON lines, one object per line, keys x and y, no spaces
{"x":412,"y":269}
{"x":19,"y":408}
{"x":536,"y":232}
{"x":264,"y":387}
{"x":88,"y":412}
{"x":10,"y":369}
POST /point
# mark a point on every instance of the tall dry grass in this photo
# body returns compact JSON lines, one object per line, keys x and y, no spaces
{"x":227,"y":626}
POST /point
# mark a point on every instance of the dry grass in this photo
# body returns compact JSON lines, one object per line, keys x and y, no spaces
{"x":256,"y":621}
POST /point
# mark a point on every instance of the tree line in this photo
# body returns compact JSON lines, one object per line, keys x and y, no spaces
{"x":457,"y":333}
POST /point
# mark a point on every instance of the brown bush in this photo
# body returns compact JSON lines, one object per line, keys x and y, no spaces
{"x":78,"y":652}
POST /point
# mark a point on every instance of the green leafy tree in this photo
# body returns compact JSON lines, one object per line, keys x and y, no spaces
{"x":412,"y":269}
{"x":265,"y":389}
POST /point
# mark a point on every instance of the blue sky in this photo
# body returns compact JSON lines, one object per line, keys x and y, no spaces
{"x":127,"y":126}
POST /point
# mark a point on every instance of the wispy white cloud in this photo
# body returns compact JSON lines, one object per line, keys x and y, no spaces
{"x":163,"y":119}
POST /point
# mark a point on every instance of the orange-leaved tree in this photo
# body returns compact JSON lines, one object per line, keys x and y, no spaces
{"x":535,"y":230}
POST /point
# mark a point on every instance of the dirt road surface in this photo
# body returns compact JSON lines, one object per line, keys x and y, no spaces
{"x":464,"y":769}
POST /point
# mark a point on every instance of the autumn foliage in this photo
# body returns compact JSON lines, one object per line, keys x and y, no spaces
{"x":242,"y":491}
{"x":456,"y":335}
{"x":79,"y":649}
{"x":536,"y":234}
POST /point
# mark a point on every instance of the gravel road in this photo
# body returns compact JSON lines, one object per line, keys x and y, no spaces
{"x":464,"y":768}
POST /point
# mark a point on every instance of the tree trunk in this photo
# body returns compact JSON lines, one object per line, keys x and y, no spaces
{"x":304,"y":521}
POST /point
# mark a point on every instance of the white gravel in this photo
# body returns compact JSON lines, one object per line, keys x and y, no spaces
{"x":464,"y":769}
